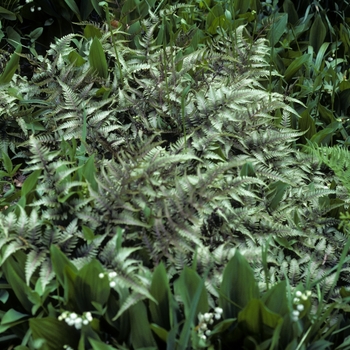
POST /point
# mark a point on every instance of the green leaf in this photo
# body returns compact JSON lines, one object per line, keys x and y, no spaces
{"x":276,"y":299}
{"x":55,"y":333}
{"x":13,"y":268}
{"x":277,"y":29}
{"x":11,"y":67}
{"x":161,"y":332}
{"x":97,"y":59}
{"x":324,"y":136}
{"x":238,"y":286}
{"x":86,"y":8}
{"x":73,"y":6}
{"x":6,"y":14}
{"x":160,"y":290}
{"x":30,"y":182}
{"x":140,"y":334}
{"x":307,"y":124}
{"x":76,"y":59}
{"x":98,"y":345}
{"x":318,"y":33}
{"x":288,"y":7}
{"x":295,"y":66}
{"x":89,"y":172}
{"x":256,"y":319}
{"x":91,"y":31}
{"x":6,"y":161}
{"x":10,"y":319}
{"x":277,"y":190}
{"x":89,"y":287}
{"x":186,"y":286}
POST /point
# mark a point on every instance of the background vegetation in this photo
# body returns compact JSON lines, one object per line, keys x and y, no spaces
{"x":174,"y":175}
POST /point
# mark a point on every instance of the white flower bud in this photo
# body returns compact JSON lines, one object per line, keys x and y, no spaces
{"x":298,"y":294}
{"x":207,"y":316}
{"x":112,"y":284}
{"x":219,"y":310}
{"x":300,"y":307}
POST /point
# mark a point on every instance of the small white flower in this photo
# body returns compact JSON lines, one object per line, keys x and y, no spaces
{"x":200,"y":317}
{"x":32,"y":9}
{"x":300,"y":307}
{"x":203,"y":337}
{"x":208,"y":332}
{"x":69,"y":321}
{"x":296,"y":313}
{"x":211,"y":321}
{"x":39,"y":8}
{"x":101,"y":275}
{"x":112,"y":274}
{"x":218,"y":310}
{"x":88,"y":316}
{"x":204,"y":326}
{"x":112,"y":284}
{"x":73,"y":316}
{"x":296,"y":300}
{"x":304,"y":297}
{"x":308,"y":293}
{"x":207,"y":316}
{"x":85,"y":322}
{"x":298,"y":294}
{"x":217,"y":316}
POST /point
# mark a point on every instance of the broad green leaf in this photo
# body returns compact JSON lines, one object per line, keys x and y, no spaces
{"x":6,"y":161}
{"x":30,"y":182}
{"x":238,"y":286}
{"x":277,"y":190}
{"x":35,"y":34}
{"x":6,"y":14}
{"x":320,"y":57}
{"x":307,"y":124}
{"x":160,"y":290}
{"x":91,"y":31}
{"x":89,"y":287}
{"x":297,"y":64}
{"x":59,"y":262}
{"x":191,"y":316}
{"x":186,"y":286}
{"x":256,"y":317}
{"x":76,"y":59}
{"x":86,"y":8}
{"x":11,"y":318}
{"x":277,"y":29}
{"x":13,"y":269}
{"x":73,"y":6}
{"x":89,"y":172}
{"x":324,"y":136}
{"x":140,"y":334}
{"x":241,"y":6}
{"x":248,"y":170}
{"x":318,"y":33}
{"x":11,"y":67}
{"x":98,"y":345}
{"x":97,"y":58}
{"x":289,"y":8}
{"x":326,"y":114}
{"x":55,"y":333}
{"x":275,"y":299}
{"x":161,"y":332}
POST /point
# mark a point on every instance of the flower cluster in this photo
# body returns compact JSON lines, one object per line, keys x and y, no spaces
{"x":32,"y":9}
{"x":111,"y":276}
{"x":207,"y":319}
{"x":72,"y":319}
{"x":297,"y":301}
